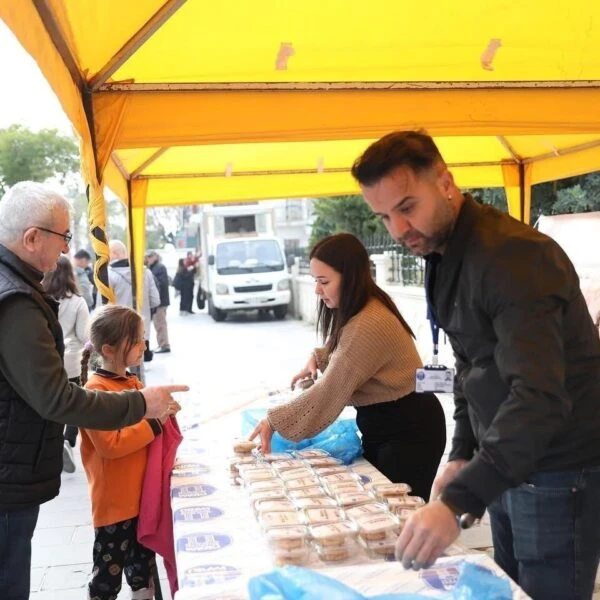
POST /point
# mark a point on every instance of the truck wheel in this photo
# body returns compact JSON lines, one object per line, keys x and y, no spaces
{"x":280,"y":311}
{"x":216,"y":313}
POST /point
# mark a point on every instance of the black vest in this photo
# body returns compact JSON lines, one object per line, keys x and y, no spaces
{"x":30,"y":446}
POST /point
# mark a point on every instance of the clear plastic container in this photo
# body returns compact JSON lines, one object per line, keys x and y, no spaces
{"x":324,"y":461}
{"x":276,"y":494}
{"x":286,"y":465}
{"x":377,"y":527}
{"x":297,"y":556}
{"x":322,"y":516}
{"x":372,"y":508}
{"x":333,"y":534}
{"x":383,"y":548}
{"x":311,"y":492}
{"x":316,"y":453}
{"x":287,"y":538}
{"x":296,"y":473}
{"x":334,"y":554}
{"x":268,"y":520}
{"x":263,"y":486}
{"x":274,"y":456}
{"x":253,"y":475}
{"x":391,"y":490}
{"x":303,"y":482}
{"x":322,"y":471}
{"x":354,"y":498}
{"x":341,"y":478}
{"x":314,"y":502}
{"x":279,"y":505}
{"x":396,"y":504}
{"x":334,"y":488}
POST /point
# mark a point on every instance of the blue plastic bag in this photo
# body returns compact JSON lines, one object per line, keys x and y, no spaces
{"x":340,"y":439}
{"x":295,"y":583}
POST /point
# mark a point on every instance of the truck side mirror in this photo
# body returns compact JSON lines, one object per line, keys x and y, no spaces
{"x":211,"y":259}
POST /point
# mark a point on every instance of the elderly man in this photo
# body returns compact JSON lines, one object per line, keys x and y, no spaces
{"x":119,"y":276}
{"x":527,"y":389}
{"x":36,"y":397}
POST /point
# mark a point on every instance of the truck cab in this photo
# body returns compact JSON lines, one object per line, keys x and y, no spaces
{"x":244,"y":270}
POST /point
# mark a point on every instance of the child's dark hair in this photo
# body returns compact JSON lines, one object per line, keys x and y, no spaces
{"x":346,"y":254}
{"x":111,"y":325}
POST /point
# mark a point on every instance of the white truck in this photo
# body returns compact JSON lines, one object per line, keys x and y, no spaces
{"x":244,"y":265}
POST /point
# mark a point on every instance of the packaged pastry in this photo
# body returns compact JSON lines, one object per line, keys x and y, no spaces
{"x":333,"y":534}
{"x":387,"y":490}
{"x":396,"y":504}
{"x":404,"y":514}
{"x":337,"y":478}
{"x":314,"y":502}
{"x":279,"y":505}
{"x":354,"y":498}
{"x":321,"y":471}
{"x":310,"y":492}
{"x":296,"y":556}
{"x":324,"y":461}
{"x":333,"y":553}
{"x":372,"y":508}
{"x":279,"y":519}
{"x":296,"y":473}
{"x":318,"y":516}
{"x":304,"y":482}
{"x":287,"y":538}
{"x":274,"y":494}
{"x":274,"y":456}
{"x":314,"y":453}
{"x":263,"y":486}
{"x":383,"y":548}
{"x":236,"y":461}
{"x":243,"y":446}
{"x":377,"y":527}
{"x":249,"y":477}
{"x":334,"y":488}
{"x":286,"y":465}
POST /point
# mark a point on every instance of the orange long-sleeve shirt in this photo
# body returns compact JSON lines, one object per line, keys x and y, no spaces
{"x":115,"y":461}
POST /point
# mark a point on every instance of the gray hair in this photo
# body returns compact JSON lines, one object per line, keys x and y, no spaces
{"x":28,"y":204}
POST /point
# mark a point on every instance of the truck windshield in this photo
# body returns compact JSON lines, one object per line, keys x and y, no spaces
{"x":248,"y":256}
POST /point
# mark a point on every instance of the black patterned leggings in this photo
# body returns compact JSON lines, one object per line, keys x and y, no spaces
{"x":116,"y":549}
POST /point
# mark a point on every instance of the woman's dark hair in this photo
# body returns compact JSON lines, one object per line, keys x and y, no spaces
{"x":346,"y":254}
{"x":111,"y":325}
{"x":180,"y":265}
{"x":61,"y":283}
{"x":413,"y":149}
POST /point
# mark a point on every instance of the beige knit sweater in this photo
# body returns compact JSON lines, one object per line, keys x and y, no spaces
{"x":374,"y":362}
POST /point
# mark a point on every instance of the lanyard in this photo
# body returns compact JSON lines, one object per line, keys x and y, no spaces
{"x":433,"y":322}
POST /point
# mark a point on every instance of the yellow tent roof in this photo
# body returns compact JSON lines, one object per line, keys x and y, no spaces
{"x":190,"y":101}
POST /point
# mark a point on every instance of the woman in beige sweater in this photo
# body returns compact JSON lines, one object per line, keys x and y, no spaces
{"x":368,"y":361}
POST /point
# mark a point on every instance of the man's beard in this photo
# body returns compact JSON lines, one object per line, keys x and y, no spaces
{"x":427,"y":244}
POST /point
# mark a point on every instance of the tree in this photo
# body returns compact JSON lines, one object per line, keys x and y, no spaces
{"x":344,"y":213}
{"x":35,"y":155}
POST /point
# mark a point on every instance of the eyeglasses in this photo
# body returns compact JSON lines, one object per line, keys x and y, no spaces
{"x":67,"y":237}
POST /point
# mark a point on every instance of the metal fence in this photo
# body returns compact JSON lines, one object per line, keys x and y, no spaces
{"x":406,"y":268}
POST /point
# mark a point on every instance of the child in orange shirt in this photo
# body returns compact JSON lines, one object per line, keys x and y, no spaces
{"x":115,"y":461}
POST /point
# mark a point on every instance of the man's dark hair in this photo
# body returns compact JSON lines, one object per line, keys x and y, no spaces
{"x":82,"y":254}
{"x":413,"y":149}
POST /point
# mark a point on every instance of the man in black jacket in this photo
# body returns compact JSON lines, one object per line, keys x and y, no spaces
{"x":36,"y":397}
{"x":159,"y":318}
{"x":527,"y":387}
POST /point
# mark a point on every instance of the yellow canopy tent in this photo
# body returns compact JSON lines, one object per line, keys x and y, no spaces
{"x":188,"y":101}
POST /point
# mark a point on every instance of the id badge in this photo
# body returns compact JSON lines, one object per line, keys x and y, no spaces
{"x":435,"y":378}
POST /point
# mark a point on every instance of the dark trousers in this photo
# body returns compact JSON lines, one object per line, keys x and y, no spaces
{"x":405,"y":439}
{"x":546,"y":533}
{"x":16,"y":531}
{"x":116,"y":550}
{"x":187,"y":297}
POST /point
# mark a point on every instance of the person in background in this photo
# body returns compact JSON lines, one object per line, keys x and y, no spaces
{"x":115,"y":461}
{"x":159,"y":318}
{"x":81,"y":262}
{"x":36,"y":397}
{"x":73,"y":316}
{"x":184,"y":283}
{"x":119,"y":277}
{"x":527,"y":385}
{"x":368,"y":361}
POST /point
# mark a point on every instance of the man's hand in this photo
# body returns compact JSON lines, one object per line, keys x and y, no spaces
{"x":159,"y":402}
{"x":426,"y":534}
{"x":449,"y":472}
{"x":264,"y":430}
{"x":310,"y":370}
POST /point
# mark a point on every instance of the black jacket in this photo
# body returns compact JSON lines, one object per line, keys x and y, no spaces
{"x":527,"y":389}
{"x":162,"y":282}
{"x":36,"y":397}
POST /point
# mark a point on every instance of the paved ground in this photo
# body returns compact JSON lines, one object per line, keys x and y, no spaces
{"x":228,"y":366}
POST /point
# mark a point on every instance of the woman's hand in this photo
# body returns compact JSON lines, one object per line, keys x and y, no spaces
{"x":310,"y":370}
{"x":264,"y":430}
